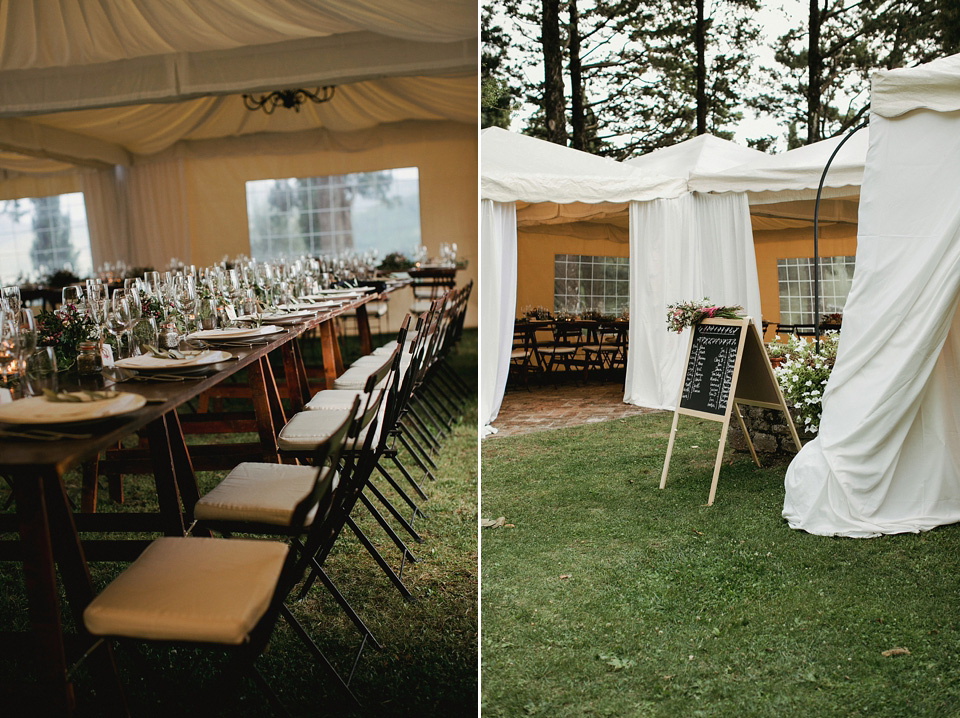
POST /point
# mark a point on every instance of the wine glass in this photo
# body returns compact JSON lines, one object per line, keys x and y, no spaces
{"x":71,"y":294}
{"x":12,"y":295}
{"x":185,"y":296}
{"x":9,"y":349}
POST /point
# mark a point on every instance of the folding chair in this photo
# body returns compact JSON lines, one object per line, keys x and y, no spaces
{"x":224,"y":594}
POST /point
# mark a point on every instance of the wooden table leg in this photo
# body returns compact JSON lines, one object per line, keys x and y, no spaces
{"x":164,"y":473}
{"x":78,"y":588}
{"x":261,"y":406}
{"x":331,"y":352}
{"x":292,"y":374}
{"x":41,"y":584}
{"x":183,"y":469}
{"x":363,"y":330}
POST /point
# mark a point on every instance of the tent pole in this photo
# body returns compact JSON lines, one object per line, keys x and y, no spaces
{"x":816,"y":237}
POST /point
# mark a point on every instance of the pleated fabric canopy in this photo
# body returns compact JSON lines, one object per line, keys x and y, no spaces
{"x":887,"y":458}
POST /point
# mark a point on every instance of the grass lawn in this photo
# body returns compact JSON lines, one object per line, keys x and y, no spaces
{"x":610,"y":597}
{"x":428,"y":665}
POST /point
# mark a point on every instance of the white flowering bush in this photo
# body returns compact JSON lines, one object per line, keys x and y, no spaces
{"x":803,"y":377}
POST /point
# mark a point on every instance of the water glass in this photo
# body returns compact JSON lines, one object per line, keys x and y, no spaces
{"x":41,"y":371}
{"x":144,"y":336}
{"x":71,"y":294}
{"x":12,"y":296}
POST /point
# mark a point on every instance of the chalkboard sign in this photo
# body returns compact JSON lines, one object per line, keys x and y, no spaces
{"x":710,"y":368}
{"x":727,"y":365}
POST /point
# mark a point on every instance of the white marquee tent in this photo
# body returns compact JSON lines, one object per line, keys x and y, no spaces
{"x":682,"y":246}
{"x":887,"y":459}
{"x":784,"y":186}
{"x":138,"y":104}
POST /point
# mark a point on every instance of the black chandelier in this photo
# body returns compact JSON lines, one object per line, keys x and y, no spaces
{"x":288,"y":99}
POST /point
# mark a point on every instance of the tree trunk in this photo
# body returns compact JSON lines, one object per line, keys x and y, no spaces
{"x":554,"y":108}
{"x":815,"y":68}
{"x":576,"y":83}
{"x":701,"y":43}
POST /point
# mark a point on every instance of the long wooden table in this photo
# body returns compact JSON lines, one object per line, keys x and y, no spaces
{"x":49,"y":530}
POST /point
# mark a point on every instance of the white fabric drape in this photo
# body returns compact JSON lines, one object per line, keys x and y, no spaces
{"x":104,"y":196}
{"x":498,"y":302}
{"x":158,"y":214}
{"x":682,"y":249}
{"x":887,"y":458}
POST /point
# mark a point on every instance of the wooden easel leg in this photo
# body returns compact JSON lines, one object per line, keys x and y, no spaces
{"x":743,"y":428}
{"x":666,"y":462}
{"x":716,"y":466}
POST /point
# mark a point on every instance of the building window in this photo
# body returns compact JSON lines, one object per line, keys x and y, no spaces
{"x":583,"y":282}
{"x":41,"y":235}
{"x":795,"y":279}
{"x":337,"y":214}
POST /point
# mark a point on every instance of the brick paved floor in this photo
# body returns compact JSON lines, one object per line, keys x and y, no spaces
{"x":548,"y":407}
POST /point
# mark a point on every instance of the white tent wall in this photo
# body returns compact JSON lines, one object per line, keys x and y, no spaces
{"x":498,"y":250}
{"x":887,"y":458}
{"x":687,"y":248}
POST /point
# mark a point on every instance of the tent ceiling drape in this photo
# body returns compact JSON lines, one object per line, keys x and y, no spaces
{"x":93,"y":82}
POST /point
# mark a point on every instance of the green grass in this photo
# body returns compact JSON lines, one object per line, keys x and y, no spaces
{"x":610,"y":597}
{"x":428,"y":666}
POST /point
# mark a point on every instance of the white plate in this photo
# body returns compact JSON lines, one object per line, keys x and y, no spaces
{"x":235,"y":333}
{"x":37,"y":410}
{"x":148,"y":362}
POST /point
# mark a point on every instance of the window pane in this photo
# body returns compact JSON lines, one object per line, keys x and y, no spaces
{"x":592,"y":283}
{"x":41,"y":235}
{"x":356,"y":212}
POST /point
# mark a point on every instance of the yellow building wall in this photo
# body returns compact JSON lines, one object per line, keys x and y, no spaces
{"x":836,"y":240}
{"x":536,"y":250}
{"x":535,"y":257}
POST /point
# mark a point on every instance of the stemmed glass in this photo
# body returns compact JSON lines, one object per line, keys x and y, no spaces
{"x":71,"y":294}
{"x":122,"y":303}
{"x":9,"y":348}
{"x":12,"y":296}
{"x":185,"y":296}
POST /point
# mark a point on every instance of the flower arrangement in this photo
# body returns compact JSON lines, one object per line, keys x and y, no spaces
{"x":803,"y":377}
{"x":783,"y":350}
{"x":538,"y":313}
{"x":833,"y":319}
{"x":687,"y":314}
{"x":64,"y":329}
{"x":395,"y":262}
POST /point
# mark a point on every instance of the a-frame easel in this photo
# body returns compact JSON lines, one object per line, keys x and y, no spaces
{"x":744,"y":377}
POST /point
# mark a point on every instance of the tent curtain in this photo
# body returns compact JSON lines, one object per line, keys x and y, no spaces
{"x":498,"y":302}
{"x":104,"y":196}
{"x":158,"y":215}
{"x":682,"y":249}
{"x":887,"y":458}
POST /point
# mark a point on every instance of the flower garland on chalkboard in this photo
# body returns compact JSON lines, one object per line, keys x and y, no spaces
{"x":687,"y":314}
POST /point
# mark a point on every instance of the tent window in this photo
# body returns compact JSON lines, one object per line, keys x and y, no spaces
{"x":583,"y":282}
{"x":795,"y":279}
{"x":359,"y":212}
{"x":41,"y":235}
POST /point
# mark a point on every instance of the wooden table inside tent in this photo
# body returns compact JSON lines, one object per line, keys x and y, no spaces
{"x":49,"y":529}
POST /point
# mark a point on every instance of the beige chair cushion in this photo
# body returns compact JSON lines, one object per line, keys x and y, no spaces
{"x":264,"y":493}
{"x":356,"y":376}
{"x":307,"y":429}
{"x":390,"y":346}
{"x":339,"y":399}
{"x":190,"y":589}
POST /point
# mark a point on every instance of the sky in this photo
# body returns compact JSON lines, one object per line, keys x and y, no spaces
{"x":775,"y":18}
